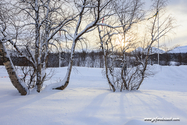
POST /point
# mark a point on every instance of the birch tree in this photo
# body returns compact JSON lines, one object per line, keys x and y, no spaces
{"x":131,"y":78}
{"x":92,"y":9}
{"x":5,"y":36}
{"x":41,"y":21}
{"x":160,"y":25}
{"x":127,"y":14}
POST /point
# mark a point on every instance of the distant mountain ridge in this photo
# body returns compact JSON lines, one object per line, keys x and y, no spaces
{"x":152,"y":51}
{"x":180,"y":49}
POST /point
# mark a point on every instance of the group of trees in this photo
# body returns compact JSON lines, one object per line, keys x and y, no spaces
{"x":95,"y":59}
{"x":30,"y":28}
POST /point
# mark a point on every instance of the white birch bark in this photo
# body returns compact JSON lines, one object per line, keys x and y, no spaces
{"x":17,"y":83}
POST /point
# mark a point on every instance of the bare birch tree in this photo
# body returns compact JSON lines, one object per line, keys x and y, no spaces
{"x":37,"y":27}
{"x":127,"y":14}
{"x":131,"y":78}
{"x":92,"y":9}
{"x":44,"y":19}
{"x":157,"y":31}
{"x":5,"y":36}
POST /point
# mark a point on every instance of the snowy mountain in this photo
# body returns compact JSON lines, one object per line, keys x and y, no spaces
{"x":180,"y":49}
{"x":154,"y":50}
{"x":139,"y":49}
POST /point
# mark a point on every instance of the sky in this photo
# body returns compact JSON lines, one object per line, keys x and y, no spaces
{"x":178,"y":10}
{"x":178,"y":37}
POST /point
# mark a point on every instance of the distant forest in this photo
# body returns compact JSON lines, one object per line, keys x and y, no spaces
{"x":95,"y":59}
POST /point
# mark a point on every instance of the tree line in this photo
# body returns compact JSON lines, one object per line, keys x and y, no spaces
{"x":95,"y":59}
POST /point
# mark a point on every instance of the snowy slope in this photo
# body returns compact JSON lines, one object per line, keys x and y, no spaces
{"x":154,"y":50}
{"x":139,"y":49}
{"x":180,"y":49}
{"x":88,"y":101}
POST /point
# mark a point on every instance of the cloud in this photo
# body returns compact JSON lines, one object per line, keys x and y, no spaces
{"x":179,"y":11}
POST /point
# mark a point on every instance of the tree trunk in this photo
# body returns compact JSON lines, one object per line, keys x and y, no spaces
{"x":67,"y":77}
{"x":11,"y":71}
{"x":106,"y":73}
{"x":144,"y":69}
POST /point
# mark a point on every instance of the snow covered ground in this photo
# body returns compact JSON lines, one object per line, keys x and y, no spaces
{"x":88,"y":100}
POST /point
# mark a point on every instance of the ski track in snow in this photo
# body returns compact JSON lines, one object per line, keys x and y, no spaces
{"x":88,"y":101}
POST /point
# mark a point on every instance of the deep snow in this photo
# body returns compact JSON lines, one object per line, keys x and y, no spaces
{"x":88,"y":101}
